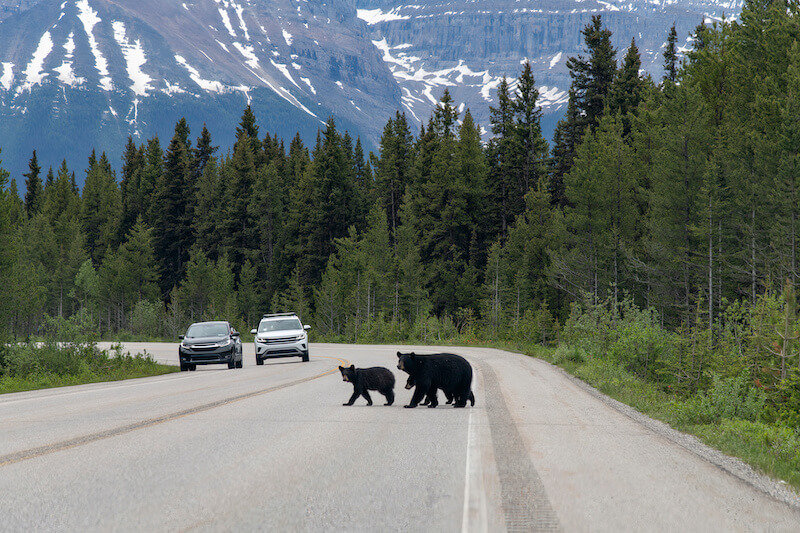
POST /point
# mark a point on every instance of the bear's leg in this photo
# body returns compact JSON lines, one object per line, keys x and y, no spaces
{"x":449,"y":397}
{"x":389,"y":393}
{"x":461,"y":400}
{"x":433,"y":397}
{"x":355,"y":395}
{"x":419,"y":393}
{"x":365,"y":394}
{"x":472,"y":398}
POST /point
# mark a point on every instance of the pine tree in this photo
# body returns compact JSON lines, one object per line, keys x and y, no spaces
{"x":34,"y":193}
{"x":133,"y":163}
{"x":671,"y":56}
{"x":203,"y":153}
{"x":326,"y":204}
{"x":174,"y":234}
{"x":565,"y":139}
{"x":393,"y":169}
{"x":530,"y":143}
{"x":100,"y":208}
{"x":237,"y":225}
{"x":593,"y":76}
{"x":602,"y":217}
{"x":502,"y":154}
{"x":629,"y":87}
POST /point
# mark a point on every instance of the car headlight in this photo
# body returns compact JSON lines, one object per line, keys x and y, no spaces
{"x":225,"y":343}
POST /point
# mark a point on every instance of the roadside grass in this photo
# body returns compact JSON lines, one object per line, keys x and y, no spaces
{"x":33,"y":366}
{"x":770,"y":448}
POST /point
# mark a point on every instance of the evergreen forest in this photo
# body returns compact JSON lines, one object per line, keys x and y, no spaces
{"x":660,"y":227}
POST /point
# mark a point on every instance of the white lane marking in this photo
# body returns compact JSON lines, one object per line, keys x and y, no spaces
{"x":476,"y":512}
{"x":465,"y":514}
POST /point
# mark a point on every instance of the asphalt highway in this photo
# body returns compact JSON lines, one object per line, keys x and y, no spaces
{"x":272,"y":448}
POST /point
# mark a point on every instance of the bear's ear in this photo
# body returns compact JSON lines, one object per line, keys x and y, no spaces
{"x":412,"y":354}
{"x":352,"y":367}
{"x":399,"y":355}
{"x":341,"y":367}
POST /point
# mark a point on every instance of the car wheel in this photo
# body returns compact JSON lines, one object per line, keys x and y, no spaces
{"x":240,"y":363}
{"x":192,"y":368}
{"x":259,"y":361}
{"x":305,"y":357}
{"x":184,"y":367}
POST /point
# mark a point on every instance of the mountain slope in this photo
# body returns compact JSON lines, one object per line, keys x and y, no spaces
{"x":78,"y":74}
{"x":99,"y":70}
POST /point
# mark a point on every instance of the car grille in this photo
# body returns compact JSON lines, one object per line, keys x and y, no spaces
{"x":204,"y":347}
{"x":281,"y":340}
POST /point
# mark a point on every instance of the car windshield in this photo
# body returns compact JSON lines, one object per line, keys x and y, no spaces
{"x":211,"y":329}
{"x":281,"y":324}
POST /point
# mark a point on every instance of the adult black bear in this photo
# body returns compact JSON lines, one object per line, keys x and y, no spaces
{"x":411,"y":383}
{"x":449,"y":372}
{"x":367,"y":379}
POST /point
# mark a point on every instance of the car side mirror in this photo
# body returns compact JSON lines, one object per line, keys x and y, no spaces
{"x":235,"y":334}
{"x":181,"y":337}
{"x":306,"y":327}
{"x":253,"y":331}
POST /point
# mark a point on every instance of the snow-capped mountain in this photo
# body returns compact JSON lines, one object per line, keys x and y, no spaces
{"x":77,"y":74}
{"x":81,"y":73}
{"x":469,"y":45}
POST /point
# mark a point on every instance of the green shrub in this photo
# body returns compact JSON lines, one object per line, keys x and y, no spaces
{"x":727,"y":398}
{"x":642,"y":349}
{"x":569,"y":354}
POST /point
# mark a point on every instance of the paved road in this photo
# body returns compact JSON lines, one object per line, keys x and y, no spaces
{"x":272,"y":448}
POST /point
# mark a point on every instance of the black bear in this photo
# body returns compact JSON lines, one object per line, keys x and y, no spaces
{"x":367,"y":379}
{"x":411,"y":383}
{"x":449,"y":372}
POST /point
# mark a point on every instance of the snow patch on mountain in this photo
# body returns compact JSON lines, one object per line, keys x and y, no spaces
{"x":287,"y":37}
{"x":226,"y":20}
{"x":34,"y":73}
{"x":7,"y":77}
{"x":66,"y":72}
{"x":206,"y":85}
{"x":134,"y":59}
{"x":90,"y":19}
{"x":375,"y":16}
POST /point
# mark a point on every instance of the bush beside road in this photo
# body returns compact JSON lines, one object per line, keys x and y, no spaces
{"x":31,"y":366}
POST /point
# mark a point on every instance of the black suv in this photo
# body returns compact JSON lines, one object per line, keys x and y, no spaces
{"x":210,"y":343}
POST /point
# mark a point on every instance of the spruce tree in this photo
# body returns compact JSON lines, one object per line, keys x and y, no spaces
{"x":530,"y":143}
{"x":173,"y":213}
{"x":133,"y":163}
{"x":502,"y":153}
{"x":671,"y":56}
{"x":101,"y":206}
{"x":393,"y":168}
{"x":34,"y":193}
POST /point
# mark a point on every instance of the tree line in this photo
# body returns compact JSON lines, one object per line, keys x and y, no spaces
{"x":679,"y":194}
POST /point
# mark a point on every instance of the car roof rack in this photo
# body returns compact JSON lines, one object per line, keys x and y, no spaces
{"x":274,"y":315}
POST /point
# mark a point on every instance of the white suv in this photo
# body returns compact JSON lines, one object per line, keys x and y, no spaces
{"x":281,"y":335}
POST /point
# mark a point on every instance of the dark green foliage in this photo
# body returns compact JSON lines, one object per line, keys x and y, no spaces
{"x":34,"y":192}
{"x":174,"y":211}
{"x":671,"y":56}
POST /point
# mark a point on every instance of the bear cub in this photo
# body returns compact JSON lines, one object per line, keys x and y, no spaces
{"x":366,"y":379}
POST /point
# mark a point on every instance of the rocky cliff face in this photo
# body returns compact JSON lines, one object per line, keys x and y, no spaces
{"x":469,"y":45}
